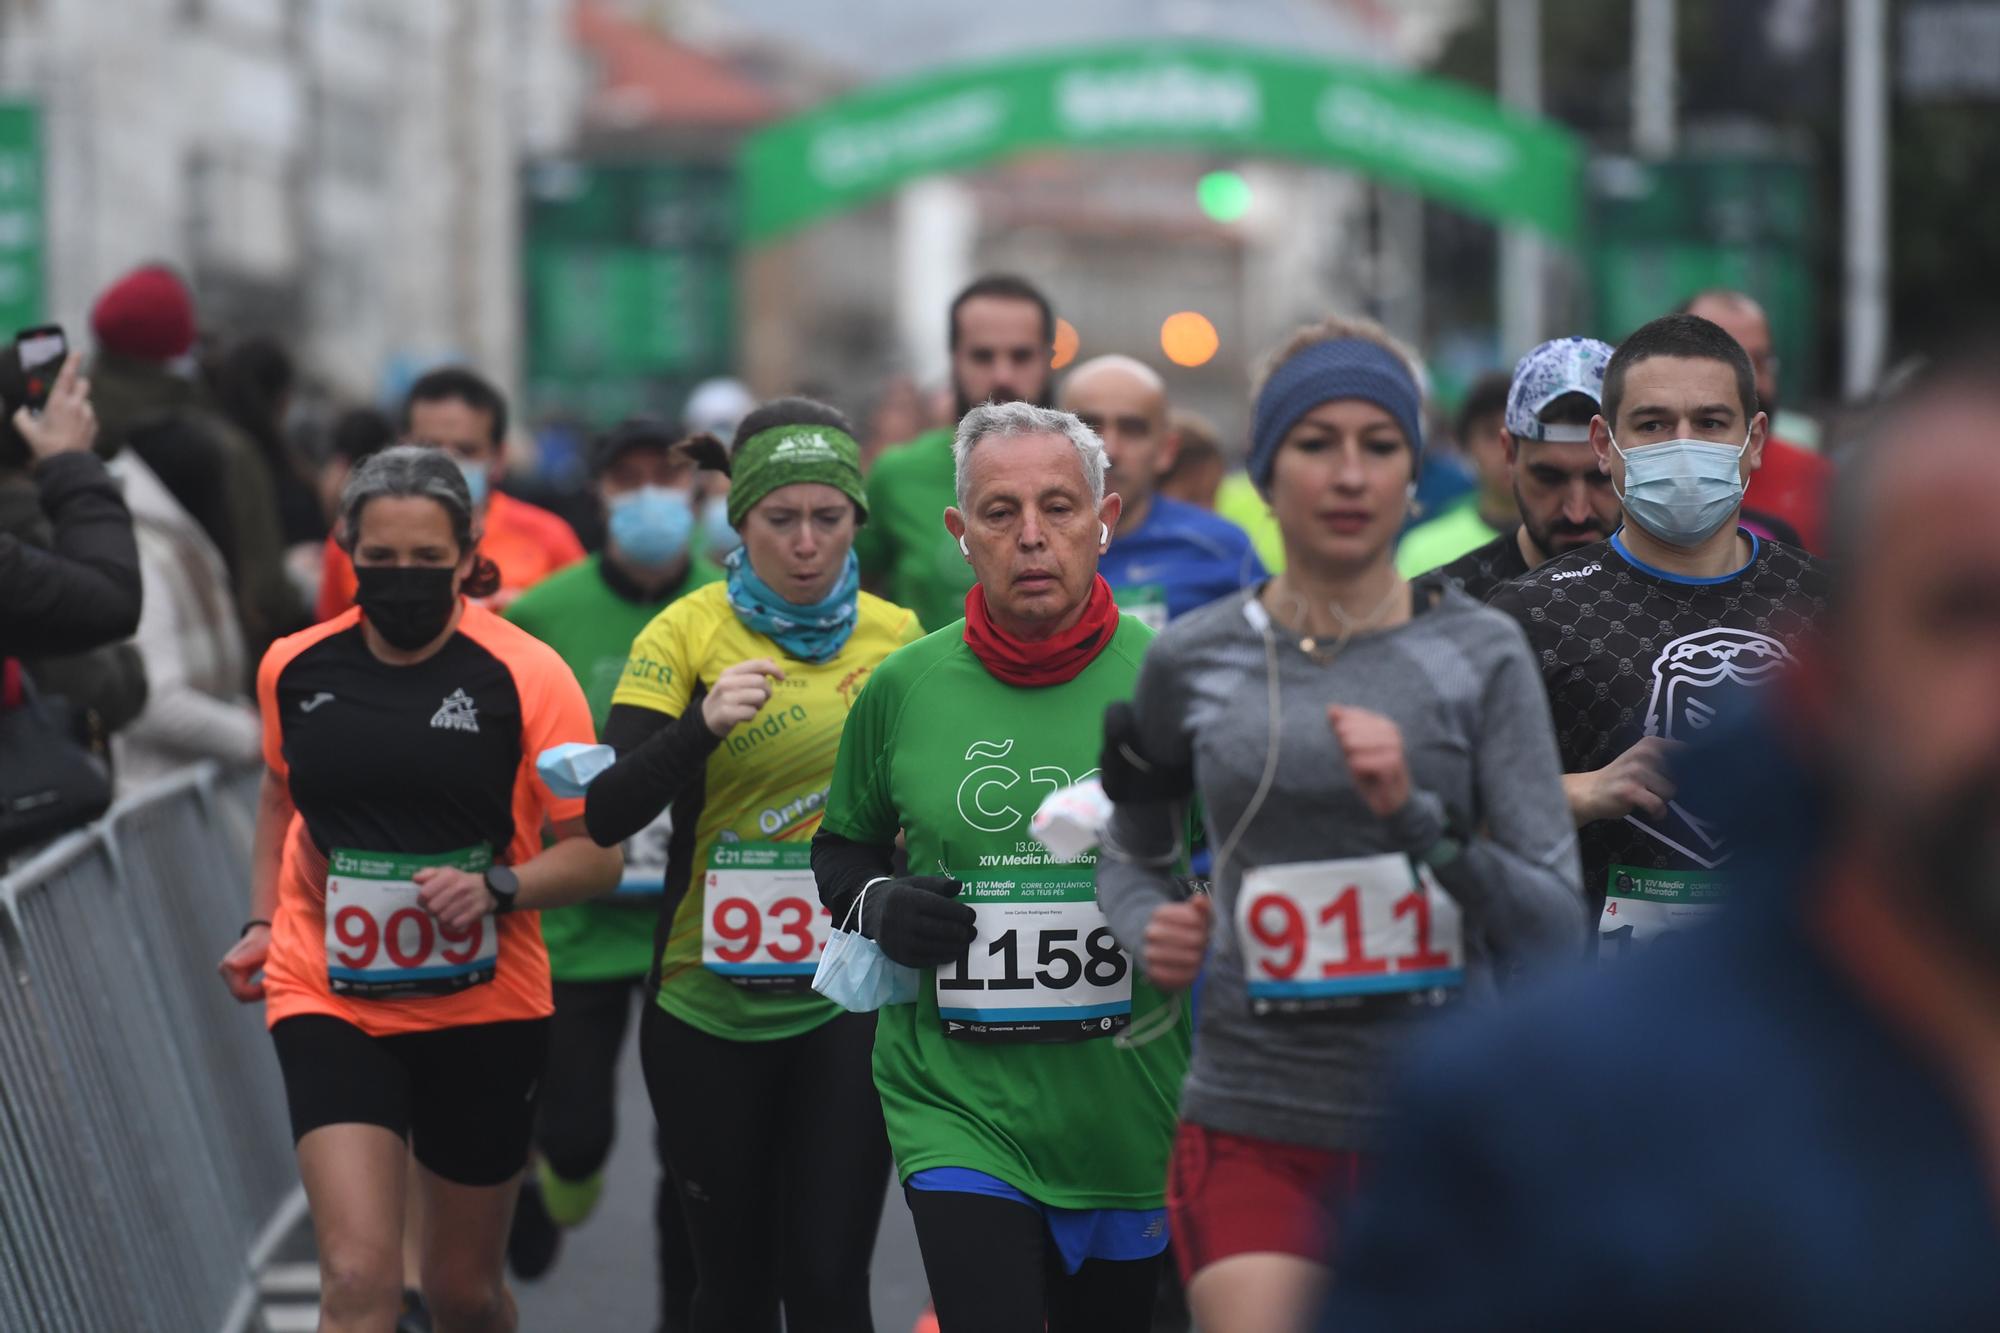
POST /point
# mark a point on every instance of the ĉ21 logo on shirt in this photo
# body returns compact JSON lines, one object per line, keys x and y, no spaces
{"x":989,"y":797}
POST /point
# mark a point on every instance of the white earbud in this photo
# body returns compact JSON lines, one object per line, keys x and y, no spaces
{"x":1104,"y":534}
{"x":961,"y":549}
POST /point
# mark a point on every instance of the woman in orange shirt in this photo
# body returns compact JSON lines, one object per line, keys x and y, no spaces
{"x":399,"y":865}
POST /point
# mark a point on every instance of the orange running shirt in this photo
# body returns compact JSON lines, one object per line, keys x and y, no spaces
{"x":412,"y":760}
{"x":526,"y":542}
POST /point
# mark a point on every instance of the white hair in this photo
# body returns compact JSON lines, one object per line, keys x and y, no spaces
{"x":1010,"y":421}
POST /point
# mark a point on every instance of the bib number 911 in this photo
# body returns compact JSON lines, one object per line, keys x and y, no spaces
{"x":1038,"y":971}
{"x":380,"y":942}
{"x":1331,"y":931}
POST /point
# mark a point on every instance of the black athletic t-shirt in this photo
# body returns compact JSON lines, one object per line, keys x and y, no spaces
{"x":1482,"y":570}
{"x":1628,"y":651}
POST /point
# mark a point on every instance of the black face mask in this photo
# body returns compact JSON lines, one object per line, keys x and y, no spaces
{"x":408,"y":605}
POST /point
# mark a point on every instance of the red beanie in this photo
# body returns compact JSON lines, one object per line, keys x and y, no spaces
{"x":147,"y":315}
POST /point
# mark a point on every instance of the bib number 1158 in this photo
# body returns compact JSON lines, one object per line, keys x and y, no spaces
{"x":1038,"y":971}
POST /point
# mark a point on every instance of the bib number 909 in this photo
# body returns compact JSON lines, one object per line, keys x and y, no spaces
{"x":381,"y":943}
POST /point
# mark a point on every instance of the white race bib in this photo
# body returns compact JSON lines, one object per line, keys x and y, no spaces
{"x":762,"y":923}
{"x":1044,"y":967}
{"x":1320,"y":931}
{"x":381,"y":945}
{"x":1640,"y":905}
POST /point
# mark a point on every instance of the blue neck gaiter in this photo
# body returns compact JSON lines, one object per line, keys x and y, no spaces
{"x":814,"y":633}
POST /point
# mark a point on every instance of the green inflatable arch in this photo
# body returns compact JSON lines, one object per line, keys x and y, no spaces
{"x":1439,"y":139}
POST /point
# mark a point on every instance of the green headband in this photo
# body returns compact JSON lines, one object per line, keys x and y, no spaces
{"x":788,"y":455}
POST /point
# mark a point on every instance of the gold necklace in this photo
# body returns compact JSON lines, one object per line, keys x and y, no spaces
{"x":1349,"y":626}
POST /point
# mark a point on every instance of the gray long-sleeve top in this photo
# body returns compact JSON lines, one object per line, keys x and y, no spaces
{"x":1458,"y":681}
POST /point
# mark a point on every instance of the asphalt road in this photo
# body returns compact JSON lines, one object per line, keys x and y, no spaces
{"x":604,"y":1279}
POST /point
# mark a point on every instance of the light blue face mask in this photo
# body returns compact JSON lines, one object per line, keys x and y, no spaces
{"x":856,"y":975}
{"x":1683,"y":491}
{"x":651,"y":525}
{"x":476,"y":480}
{"x":718,"y":539}
{"x":569,"y":769}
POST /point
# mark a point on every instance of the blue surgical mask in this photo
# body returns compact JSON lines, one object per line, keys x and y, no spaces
{"x":717,"y":537}
{"x":569,"y":769}
{"x":856,"y":975}
{"x":476,"y":480}
{"x":651,"y":525}
{"x":1683,"y":491}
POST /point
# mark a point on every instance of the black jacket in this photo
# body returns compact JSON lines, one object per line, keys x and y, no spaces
{"x":85,"y":590}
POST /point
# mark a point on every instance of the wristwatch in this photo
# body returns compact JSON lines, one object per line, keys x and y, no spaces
{"x":503,"y":884}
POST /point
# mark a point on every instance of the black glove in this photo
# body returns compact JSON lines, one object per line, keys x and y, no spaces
{"x":918,"y":920}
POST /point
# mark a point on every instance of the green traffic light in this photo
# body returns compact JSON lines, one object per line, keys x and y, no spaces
{"x":1224,"y":195}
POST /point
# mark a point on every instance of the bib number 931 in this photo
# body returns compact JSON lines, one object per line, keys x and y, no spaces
{"x":762,"y":924}
{"x":380,"y":942}
{"x":1335,"y":930}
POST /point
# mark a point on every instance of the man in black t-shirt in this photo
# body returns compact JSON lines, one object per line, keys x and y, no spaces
{"x":1565,"y":499}
{"x":1639,"y":637}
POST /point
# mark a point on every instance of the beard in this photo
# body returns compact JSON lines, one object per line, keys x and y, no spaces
{"x":1001,"y":394}
{"x":1559,"y":534}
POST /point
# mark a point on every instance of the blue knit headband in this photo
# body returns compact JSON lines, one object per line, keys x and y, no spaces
{"x":1321,"y":373}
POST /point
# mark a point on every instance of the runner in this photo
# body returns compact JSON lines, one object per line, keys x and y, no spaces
{"x":1787,"y":496}
{"x":600,"y":952}
{"x":1166,"y":558}
{"x":458,"y":411}
{"x":1638,"y":636}
{"x":1488,"y":513}
{"x":1003,"y":335}
{"x":401,"y":740}
{"x":729,"y":715}
{"x":1032,"y":1145}
{"x":1376,"y":765}
{"x":1565,"y":499}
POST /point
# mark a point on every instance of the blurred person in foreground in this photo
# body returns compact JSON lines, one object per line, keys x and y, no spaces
{"x":1488,"y":513}
{"x":149,"y":399}
{"x":1003,"y":334}
{"x":460,"y":412}
{"x":1787,"y":497}
{"x":1565,"y":500}
{"x":1199,"y":465}
{"x":1792,"y":1119}
{"x":1166,"y":558}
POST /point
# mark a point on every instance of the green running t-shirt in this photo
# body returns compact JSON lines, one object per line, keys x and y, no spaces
{"x":591,"y":626}
{"x":904,"y":549}
{"x":959,"y":762}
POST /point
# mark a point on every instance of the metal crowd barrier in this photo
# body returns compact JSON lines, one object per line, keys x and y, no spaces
{"x":146,"y":1165}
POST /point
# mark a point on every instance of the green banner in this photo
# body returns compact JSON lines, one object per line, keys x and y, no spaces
{"x":20,"y":217}
{"x":1439,"y":139}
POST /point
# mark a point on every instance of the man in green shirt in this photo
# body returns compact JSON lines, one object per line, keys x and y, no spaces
{"x":1003,"y":334}
{"x":1032,"y":1139}
{"x":1490,"y":510}
{"x":600,"y":952}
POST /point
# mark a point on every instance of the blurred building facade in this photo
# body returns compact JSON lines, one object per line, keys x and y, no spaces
{"x":343,"y":173}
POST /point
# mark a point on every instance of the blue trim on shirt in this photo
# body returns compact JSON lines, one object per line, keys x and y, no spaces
{"x":1618,"y":545}
{"x":1117,"y":1235}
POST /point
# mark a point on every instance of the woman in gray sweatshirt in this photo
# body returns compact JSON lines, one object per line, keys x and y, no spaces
{"x":1382,"y":793}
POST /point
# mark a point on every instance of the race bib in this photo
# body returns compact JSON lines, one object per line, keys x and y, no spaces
{"x":762,"y":923}
{"x":1144,"y":602}
{"x":646,"y":859}
{"x":1641,"y":905}
{"x":1044,"y":968}
{"x":381,"y":945}
{"x":1324,"y":933}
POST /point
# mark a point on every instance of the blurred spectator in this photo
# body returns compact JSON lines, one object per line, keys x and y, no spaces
{"x":252,"y":381}
{"x":1199,"y":463}
{"x":1487,"y":512}
{"x":357,"y":433}
{"x":81,"y":593}
{"x":458,"y":411}
{"x":1791,"y":1118}
{"x":144,"y":325}
{"x":1786,"y":497}
{"x":898,"y":415}
{"x":716,"y":408}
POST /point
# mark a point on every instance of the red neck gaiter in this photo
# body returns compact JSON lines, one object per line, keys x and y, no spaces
{"x":1045,"y":661}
